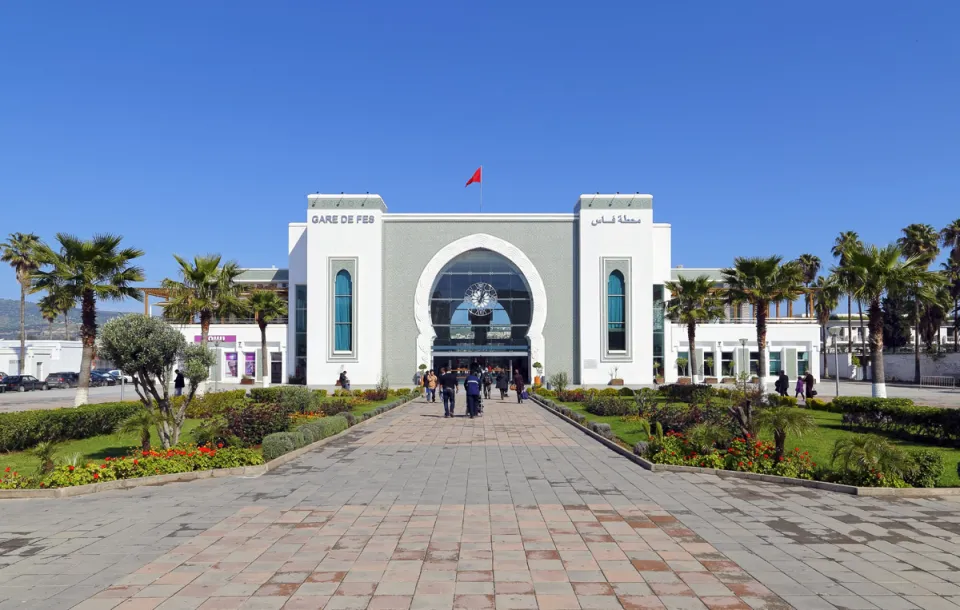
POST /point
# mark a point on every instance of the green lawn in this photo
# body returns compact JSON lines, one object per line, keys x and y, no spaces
{"x":819,"y":444}
{"x":94,"y":448}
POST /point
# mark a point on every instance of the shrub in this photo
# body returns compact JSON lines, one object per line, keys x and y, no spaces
{"x":24,"y":429}
{"x":276,"y":444}
{"x":625,"y":391}
{"x":559,"y":381}
{"x":610,"y":406}
{"x":686,"y":393}
{"x":320,"y":393}
{"x":271,"y":394}
{"x":642,"y":449}
{"x":927,"y":468}
{"x":678,"y":416}
{"x":375,"y":395}
{"x":603,"y":430}
{"x":579,"y":417}
{"x":821,"y":405}
{"x":869,"y":460}
{"x":215,"y":403}
{"x":251,"y":423}
{"x":900,"y":417}
{"x":335,"y":406}
{"x":775,"y":400}
{"x":350,"y":417}
{"x":577,"y":395}
{"x":297,"y":399}
{"x":542,"y":391}
{"x":609,"y":392}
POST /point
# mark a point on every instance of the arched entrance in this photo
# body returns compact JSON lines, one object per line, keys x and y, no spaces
{"x":480,"y":301}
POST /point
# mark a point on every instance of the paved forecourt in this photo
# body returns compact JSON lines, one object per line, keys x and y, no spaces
{"x":513,"y":510}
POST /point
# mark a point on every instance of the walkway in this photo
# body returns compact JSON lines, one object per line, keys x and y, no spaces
{"x":514,"y":510}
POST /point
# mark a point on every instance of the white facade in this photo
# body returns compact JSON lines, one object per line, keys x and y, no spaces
{"x":238,"y":350}
{"x":377,"y":294}
{"x":42,"y":357}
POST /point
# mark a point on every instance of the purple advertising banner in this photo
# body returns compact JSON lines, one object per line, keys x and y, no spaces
{"x":250,"y":363}
{"x":231,"y":364}
{"x":216,"y":338}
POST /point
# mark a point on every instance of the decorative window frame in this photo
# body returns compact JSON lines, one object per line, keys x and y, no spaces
{"x":625,"y":266}
{"x":334,"y":266}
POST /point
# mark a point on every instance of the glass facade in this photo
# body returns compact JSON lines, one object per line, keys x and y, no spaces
{"x":802,"y":363}
{"x":616,"y":313}
{"x":300,"y":330}
{"x":658,"y":312}
{"x":775,"y":364}
{"x":480,"y":301}
{"x":343,"y":312}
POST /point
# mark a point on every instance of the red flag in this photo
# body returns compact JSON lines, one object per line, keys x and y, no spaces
{"x":476,"y":177}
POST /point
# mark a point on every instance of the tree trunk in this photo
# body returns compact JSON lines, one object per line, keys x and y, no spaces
{"x":778,"y":309}
{"x":145,"y":439}
{"x":692,"y":340}
{"x":849,"y":325}
{"x":916,"y":339}
{"x":879,"y":385}
{"x":823,"y":350}
{"x":263,"y":347}
{"x":66,"y":327}
{"x":780,"y":443}
{"x":762,"y":310}
{"x":205,"y":318}
{"x":88,"y":334}
{"x":789,"y":309}
{"x":956,"y":325}
{"x":863,"y":335}
{"x":22,"y":356}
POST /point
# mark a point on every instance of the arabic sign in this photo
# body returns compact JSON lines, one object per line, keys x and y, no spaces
{"x":618,"y":219}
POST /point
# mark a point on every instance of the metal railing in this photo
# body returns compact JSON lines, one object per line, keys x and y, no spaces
{"x":934,"y":381}
{"x":770,"y":320}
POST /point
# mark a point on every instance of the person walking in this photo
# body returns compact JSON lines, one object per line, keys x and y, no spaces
{"x":798,"y":390}
{"x":486,"y":378}
{"x":448,"y":389}
{"x":471,"y":386}
{"x":502,"y":385}
{"x":432,"y":386}
{"x":518,"y":384}
{"x":178,"y":383}
{"x":809,"y":381}
{"x":783,"y":384}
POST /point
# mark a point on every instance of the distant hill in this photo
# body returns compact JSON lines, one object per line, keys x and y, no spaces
{"x":37,"y":327}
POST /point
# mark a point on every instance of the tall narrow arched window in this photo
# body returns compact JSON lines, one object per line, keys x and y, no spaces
{"x":343,"y":312}
{"x":616,"y":313}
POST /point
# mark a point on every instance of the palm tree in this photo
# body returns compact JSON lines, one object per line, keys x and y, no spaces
{"x":206,"y":290}
{"x":846,"y":242}
{"x":864,"y":453}
{"x":49,"y":313}
{"x":265,"y":305}
{"x":761,"y":281}
{"x":876,"y":272}
{"x":950,"y":238}
{"x":922,"y":242}
{"x":87,"y":271}
{"x":809,"y":267}
{"x":826,"y":298}
{"x":57,"y":302}
{"x":140,"y":424}
{"x":951,"y":274}
{"x":693,"y":301}
{"x":20,"y":252}
{"x":936,"y":310}
{"x":782,"y":421}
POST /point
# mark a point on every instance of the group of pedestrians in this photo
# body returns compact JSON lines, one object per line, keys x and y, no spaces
{"x":803,"y":389}
{"x":477,"y":385}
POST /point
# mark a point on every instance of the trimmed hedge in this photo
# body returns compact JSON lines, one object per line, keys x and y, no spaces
{"x":687,"y":393}
{"x":271,"y":394}
{"x":605,"y":405}
{"x":900,"y":417}
{"x":24,"y":429}
{"x":279,"y":443}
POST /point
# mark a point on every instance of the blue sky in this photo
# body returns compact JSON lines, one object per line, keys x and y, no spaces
{"x":759,"y":127}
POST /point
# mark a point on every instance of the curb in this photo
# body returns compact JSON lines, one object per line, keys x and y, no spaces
{"x":181,"y":477}
{"x":887,"y":492}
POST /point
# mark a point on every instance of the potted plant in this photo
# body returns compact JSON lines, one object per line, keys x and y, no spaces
{"x":658,"y":371}
{"x":708,"y":366}
{"x":614,"y":379}
{"x":538,"y":380}
{"x":684,"y":378}
{"x":246,"y":380}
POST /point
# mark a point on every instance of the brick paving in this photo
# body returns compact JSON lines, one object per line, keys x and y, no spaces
{"x":513,"y":510}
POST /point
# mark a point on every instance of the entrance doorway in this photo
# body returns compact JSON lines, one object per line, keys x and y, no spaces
{"x":276,"y":367}
{"x":462,"y":363}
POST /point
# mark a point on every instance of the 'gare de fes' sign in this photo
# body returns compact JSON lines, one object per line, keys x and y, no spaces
{"x":216,"y":338}
{"x":342,"y":219}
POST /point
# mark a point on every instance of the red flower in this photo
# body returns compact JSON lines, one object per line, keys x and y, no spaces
{"x":749,"y":463}
{"x":102,"y":466}
{"x":71,"y":468}
{"x":219,"y":445}
{"x":8,"y":469}
{"x":43,"y":484}
{"x":135,"y":461}
{"x":96,"y":475}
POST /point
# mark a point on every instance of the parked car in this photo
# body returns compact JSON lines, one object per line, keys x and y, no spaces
{"x":98,"y":379}
{"x":61,"y":380}
{"x":118,"y":375}
{"x":21,"y":383}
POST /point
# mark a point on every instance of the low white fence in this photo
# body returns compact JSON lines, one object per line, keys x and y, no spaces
{"x":937,"y":381}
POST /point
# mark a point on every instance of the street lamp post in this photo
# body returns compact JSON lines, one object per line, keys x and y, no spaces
{"x":836,"y":362}
{"x":743,"y":347}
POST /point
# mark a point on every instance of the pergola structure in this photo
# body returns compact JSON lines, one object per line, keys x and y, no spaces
{"x":245,"y":289}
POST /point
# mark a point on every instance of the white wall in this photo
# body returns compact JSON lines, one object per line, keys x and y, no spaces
{"x":713,"y":338}
{"x":42,"y":358}
{"x":360,"y":240}
{"x":634,"y":241}
{"x":900,"y":367}
{"x":297,"y":269}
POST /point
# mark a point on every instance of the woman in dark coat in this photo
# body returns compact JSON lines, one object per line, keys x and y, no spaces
{"x":502,"y":385}
{"x":518,"y":382}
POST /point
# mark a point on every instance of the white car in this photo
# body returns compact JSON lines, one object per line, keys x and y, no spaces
{"x":121,"y":375}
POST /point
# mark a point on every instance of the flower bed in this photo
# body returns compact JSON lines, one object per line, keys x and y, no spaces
{"x":142,"y":464}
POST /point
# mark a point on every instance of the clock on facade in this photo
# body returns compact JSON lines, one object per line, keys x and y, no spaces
{"x":481,"y":297}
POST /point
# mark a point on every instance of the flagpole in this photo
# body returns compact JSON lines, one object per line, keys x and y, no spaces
{"x":481,"y":189}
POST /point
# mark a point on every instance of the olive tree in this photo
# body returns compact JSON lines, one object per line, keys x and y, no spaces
{"x":147,"y":349}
